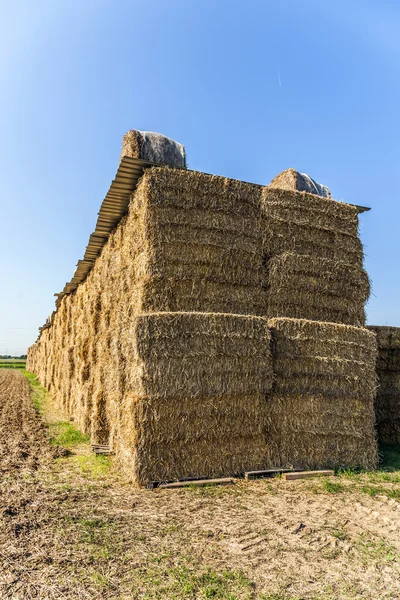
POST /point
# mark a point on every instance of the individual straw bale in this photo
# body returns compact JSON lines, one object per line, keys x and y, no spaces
{"x":388,"y":394}
{"x":321,"y":411}
{"x":154,"y":147}
{"x":302,"y":223}
{"x":198,"y":244}
{"x":388,"y":337}
{"x":317,"y":289}
{"x":293,"y":180}
{"x":197,"y":402}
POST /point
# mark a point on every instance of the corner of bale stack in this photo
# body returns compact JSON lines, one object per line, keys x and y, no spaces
{"x":195,"y":400}
{"x":388,"y":393}
{"x":321,"y":410}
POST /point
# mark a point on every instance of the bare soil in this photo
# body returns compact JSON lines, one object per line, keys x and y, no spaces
{"x":70,"y":527}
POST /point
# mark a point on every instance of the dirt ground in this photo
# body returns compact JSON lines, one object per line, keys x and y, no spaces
{"x":70,"y":527}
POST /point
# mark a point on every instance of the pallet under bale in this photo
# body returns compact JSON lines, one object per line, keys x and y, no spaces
{"x":321,"y":410}
{"x":388,"y":393}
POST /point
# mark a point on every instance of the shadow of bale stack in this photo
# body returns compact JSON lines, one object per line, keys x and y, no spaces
{"x":388,"y":393}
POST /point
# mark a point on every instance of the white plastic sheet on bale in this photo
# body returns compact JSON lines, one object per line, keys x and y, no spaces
{"x":313,"y":187}
{"x":158,"y":148}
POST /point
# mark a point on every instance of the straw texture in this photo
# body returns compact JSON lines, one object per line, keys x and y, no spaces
{"x":321,"y":412}
{"x":302,"y":223}
{"x":317,"y":289}
{"x":388,"y":393}
{"x":197,"y":406}
{"x":164,"y":351}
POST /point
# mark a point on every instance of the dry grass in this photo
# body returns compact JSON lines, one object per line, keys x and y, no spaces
{"x":198,"y":402}
{"x":191,"y":243}
{"x":302,"y":223}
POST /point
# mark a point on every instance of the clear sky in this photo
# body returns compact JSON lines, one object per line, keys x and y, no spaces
{"x":251,"y":88}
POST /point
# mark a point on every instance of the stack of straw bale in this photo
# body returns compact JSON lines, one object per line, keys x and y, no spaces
{"x":321,"y":411}
{"x":195,"y":398}
{"x":388,"y":394}
{"x":313,"y":257}
{"x":163,"y":351}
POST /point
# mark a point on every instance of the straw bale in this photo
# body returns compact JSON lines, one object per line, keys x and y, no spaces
{"x":321,"y":411}
{"x":317,"y":289}
{"x":293,"y":180}
{"x":387,"y":337}
{"x":388,"y":359}
{"x":153,"y":147}
{"x":197,"y":406}
{"x":388,"y":393}
{"x":197,"y":248}
{"x":302,"y":223}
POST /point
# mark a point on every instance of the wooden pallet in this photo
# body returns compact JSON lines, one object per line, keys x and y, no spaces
{"x":249,"y":475}
{"x":197,"y":483}
{"x":287,"y":474}
{"x":101,"y":449}
{"x":307,"y":474}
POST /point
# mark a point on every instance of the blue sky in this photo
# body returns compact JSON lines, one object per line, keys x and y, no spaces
{"x":250,"y":88}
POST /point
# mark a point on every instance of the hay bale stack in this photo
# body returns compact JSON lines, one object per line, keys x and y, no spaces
{"x":293,"y":180}
{"x":387,"y":404}
{"x":317,"y":289}
{"x":321,"y":411}
{"x":154,"y":147}
{"x":194,"y":403}
{"x":303,"y":223}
